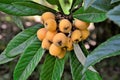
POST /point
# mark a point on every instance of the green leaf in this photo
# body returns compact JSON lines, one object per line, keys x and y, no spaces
{"x":103,"y":5}
{"x":18,"y":44}
{"x":76,"y":67}
{"x":10,"y":1}
{"x":90,"y":15}
{"x":90,"y":75}
{"x":28,"y":61}
{"x":114,"y":1}
{"x":75,"y":3}
{"x":4,"y":59}
{"x":85,"y":51}
{"x":52,"y":68}
{"x":88,"y":3}
{"x":114,"y":14}
{"x":28,"y":8}
{"x":76,"y":70}
{"x":55,"y":2}
{"x":107,"y":49}
{"x":32,"y":7}
{"x":66,"y":6}
{"x":18,"y":22}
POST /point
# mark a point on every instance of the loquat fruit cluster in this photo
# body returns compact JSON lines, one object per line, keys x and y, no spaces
{"x":59,"y":34}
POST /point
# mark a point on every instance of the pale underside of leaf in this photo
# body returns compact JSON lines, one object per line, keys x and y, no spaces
{"x":4,"y":59}
{"x":18,"y":22}
{"x":114,"y":1}
{"x":81,"y":57}
{"x":76,"y":70}
{"x":109,"y":48}
{"x":114,"y":14}
{"x":88,"y":3}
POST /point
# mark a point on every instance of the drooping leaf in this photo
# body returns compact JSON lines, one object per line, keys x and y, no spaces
{"x":23,"y":8}
{"x":103,"y":5}
{"x":88,"y":3}
{"x":4,"y":59}
{"x":28,"y":60}
{"x":76,"y":70}
{"x":18,"y":44}
{"x":107,"y":49}
{"x":30,"y":7}
{"x":114,"y":14}
{"x":114,"y":1}
{"x":18,"y":22}
{"x":52,"y":68}
{"x":66,"y":5}
{"x":90,"y":15}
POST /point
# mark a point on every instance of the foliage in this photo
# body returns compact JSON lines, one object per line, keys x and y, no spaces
{"x":26,"y":45}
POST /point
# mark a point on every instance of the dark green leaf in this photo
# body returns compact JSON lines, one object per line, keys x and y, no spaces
{"x":18,"y":44}
{"x":23,"y":8}
{"x":4,"y":59}
{"x":32,"y":7}
{"x":85,"y":51}
{"x":10,"y":9}
{"x":88,"y":3}
{"x":18,"y":22}
{"x":114,"y":1}
{"x":52,"y":68}
{"x":76,"y":70}
{"x":55,"y":2}
{"x":28,"y":60}
{"x":103,"y":5}
{"x":11,"y":1}
{"x":90,"y":15}
{"x":114,"y":14}
{"x":107,"y":49}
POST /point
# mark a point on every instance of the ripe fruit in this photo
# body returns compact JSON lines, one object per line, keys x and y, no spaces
{"x":80,"y":24}
{"x":47,"y":15}
{"x":69,"y":44}
{"x":76,"y":36}
{"x":65,"y":26}
{"x":50,"y":25}
{"x":62,"y":54}
{"x":60,"y":33}
{"x":54,"y":50}
{"x":50,"y":35}
{"x":85,"y":33}
{"x":60,"y":40}
{"x":46,"y":44}
{"x":41,"y":33}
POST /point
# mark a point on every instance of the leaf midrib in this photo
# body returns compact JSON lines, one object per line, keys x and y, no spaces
{"x":29,"y":63}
